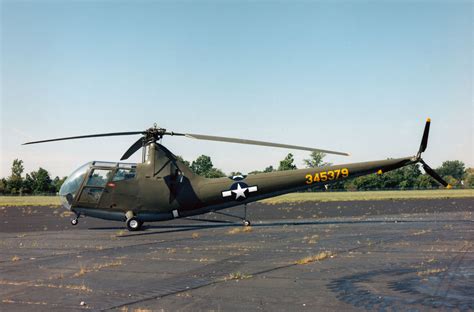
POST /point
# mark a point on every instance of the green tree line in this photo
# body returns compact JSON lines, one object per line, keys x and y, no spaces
{"x":35,"y":182}
{"x":409,"y":177}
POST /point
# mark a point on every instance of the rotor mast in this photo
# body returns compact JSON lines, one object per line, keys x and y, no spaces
{"x":151,"y":135}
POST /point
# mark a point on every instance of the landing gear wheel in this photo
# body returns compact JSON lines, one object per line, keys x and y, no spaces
{"x":133,"y":224}
{"x":74,"y":221}
{"x":246,"y":222}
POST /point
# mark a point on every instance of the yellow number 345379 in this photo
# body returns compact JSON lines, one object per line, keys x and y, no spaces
{"x":327,"y":175}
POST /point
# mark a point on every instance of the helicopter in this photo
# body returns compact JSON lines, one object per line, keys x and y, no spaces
{"x":162,"y":187}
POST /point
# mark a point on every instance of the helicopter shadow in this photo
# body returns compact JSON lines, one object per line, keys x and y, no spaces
{"x":163,"y":229}
{"x":146,"y":227}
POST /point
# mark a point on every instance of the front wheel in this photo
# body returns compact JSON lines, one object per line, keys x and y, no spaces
{"x":133,"y":224}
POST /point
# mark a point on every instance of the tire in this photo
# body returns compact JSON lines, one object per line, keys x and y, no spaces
{"x":74,"y":221}
{"x":246,"y":223}
{"x":133,"y":224}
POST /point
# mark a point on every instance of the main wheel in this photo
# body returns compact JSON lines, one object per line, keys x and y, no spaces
{"x":74,"y":221}
{"x":246,"y":223}
{"x":133,"y":224}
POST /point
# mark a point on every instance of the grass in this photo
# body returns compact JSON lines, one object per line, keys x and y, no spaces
{"x":421,"y":232}
{"x":29,"y":201}
{"x":237,"y":276}
{"x":241,"y":229}
{"x":319,"y":257}
{"x":96,"y":267}
{"x":431,"y":271}
{"x":311,"y":240}
{"x":81,"y":287}
{"x":284,"y":199}
{"x":368,"y":195}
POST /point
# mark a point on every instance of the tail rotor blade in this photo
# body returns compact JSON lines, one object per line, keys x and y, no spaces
{"x":424,"y":140}
{"x":434,"y":175}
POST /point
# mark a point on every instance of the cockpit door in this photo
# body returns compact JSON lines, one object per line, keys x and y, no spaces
{"x":94,"y":187}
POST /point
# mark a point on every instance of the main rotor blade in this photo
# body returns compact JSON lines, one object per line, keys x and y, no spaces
{"x":132,"y":149}
{"x":252,"y":142}
{"x":87,"y":136}
{"x":434,"y":175}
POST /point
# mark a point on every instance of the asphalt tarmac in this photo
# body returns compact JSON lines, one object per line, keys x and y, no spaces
{"x":412,"y":255}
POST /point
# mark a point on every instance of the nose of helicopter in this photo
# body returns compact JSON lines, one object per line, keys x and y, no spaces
{"x":70,"y":187}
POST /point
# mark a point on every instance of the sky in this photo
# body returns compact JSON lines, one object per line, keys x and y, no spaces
{"x":352,"y":76}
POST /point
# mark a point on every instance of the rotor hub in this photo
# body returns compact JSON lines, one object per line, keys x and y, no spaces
{"x":153,"y":134}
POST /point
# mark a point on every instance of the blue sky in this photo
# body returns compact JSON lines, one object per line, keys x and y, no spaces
{"x":355,"y":76}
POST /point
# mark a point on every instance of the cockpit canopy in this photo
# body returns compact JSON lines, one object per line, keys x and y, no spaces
{"x":98,"y":173}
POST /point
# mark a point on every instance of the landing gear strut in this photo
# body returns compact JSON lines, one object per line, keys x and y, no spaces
{"x":244,"y":219}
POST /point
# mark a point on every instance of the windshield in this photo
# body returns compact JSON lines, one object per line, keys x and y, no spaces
{"x":72,"y":184}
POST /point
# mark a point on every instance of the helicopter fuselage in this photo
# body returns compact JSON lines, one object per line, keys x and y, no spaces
{"x":164,"y":188}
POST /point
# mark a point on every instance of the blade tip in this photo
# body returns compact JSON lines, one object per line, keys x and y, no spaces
{"x":449,"y":186}
{"x":428,"y":119}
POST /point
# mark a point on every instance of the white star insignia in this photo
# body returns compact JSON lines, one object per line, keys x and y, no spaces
{"x":239,"y":192}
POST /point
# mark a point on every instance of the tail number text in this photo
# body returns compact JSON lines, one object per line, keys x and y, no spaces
{"x":327,"y":175}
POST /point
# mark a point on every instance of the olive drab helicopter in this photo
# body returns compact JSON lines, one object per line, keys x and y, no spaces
{"x":162,"y":187}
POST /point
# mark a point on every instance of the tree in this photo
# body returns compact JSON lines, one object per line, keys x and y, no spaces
{"x":181,"y":159}
{"x":424,"y":181}
{"x":203,"y":166}
{"x":454,"y":168}
{"x":235,"y":173}
{"x":402,"y":178}
{"x":57,"y":183}
{"x":469,"y":180}
{"x":255,"y":172}
{"x":452,"y":181}
{"x":42,"y":182}
{"x":17,"y":168}
{"x":316,"y":160}
{"x":3,"y":186}
{"x":15,"y":181}
{"x":269,"y":169}
{"x":28,"y":184}
{"x":214,"y":173}
{"x":287,"y":163}
{"x":368,"y":182}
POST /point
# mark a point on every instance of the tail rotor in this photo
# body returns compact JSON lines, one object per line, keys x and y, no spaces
{"x":428,"y":169}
